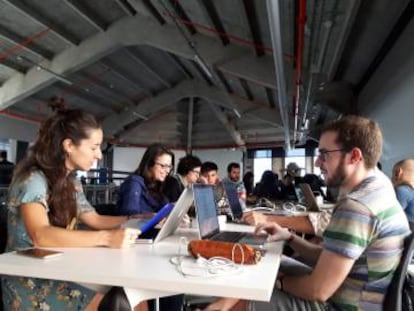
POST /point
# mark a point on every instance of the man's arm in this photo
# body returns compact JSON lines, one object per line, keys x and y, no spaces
{"x":327,"y":276}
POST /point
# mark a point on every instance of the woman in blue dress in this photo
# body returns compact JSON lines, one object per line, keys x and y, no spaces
{"x":45,"y":205}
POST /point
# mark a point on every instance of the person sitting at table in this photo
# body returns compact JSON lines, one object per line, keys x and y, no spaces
{"x":209,"y":176}
{"x":268,"y":186}
{"x":141,"y":193}
{"x":188,"y":172}
{"x":46,"y":203}
{"x":403,"y":181}
{"x":363,"y":242}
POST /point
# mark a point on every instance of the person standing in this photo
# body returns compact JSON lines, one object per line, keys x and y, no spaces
{"x":6,"y":169}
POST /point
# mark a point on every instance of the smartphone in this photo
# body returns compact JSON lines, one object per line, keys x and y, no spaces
{"x":39,"y":253}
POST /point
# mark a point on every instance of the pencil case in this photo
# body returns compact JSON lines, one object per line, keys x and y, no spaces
{"x":239,"y":253}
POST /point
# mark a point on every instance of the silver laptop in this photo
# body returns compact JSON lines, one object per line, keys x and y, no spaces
{"x":309,"y":199}
{"x":208,"y":225}
{"x":174,"y":219}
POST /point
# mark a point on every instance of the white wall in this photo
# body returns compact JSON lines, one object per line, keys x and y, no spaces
{"x":389,"y":99}
{"x":127,"y":159}
{"x":17,"y":129}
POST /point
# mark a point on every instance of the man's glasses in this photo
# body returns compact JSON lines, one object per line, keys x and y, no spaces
{"x":323,"y":154}
{"x":196,"y":172}
{"x":165,"y":167}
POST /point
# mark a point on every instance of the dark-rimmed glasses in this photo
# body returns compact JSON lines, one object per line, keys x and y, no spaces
{"x":322,"y":156}
{"x":165,"y":167}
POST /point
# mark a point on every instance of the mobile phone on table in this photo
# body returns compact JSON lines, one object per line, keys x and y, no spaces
{"x":40,"y":253}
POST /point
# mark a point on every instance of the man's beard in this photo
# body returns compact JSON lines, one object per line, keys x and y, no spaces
{"x":339,"y":176}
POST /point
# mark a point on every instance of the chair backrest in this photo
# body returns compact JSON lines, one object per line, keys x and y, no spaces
{"x":393,"y":298}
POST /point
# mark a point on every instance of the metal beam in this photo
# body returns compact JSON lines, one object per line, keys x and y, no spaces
{"x":13,"y":65}
{"x":147,"y":68}
{"x":182,"y":15}
{"x":215,"y":20}
{"x":190,"y":124}
{"x":187,"y":89}
{"x":38,"y":18}
{"x":233,"y":59}
{"x":276,"y":35}
{"x":126,"y":7}
{"x":251,"y":14}
{"x":87,"y":14}
{"x":231,"y":129}
{"x":19,"y":41}
{"x":118,"y":72}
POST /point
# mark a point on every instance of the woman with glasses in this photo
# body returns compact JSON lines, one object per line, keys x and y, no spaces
{"x":188,"y":172}
{"x":141,"y":192}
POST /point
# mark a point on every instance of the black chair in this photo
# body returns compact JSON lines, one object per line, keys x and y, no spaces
{"x":393,"y":298}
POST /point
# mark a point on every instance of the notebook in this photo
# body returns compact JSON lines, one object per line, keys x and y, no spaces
{"x":208,"y":224}
{"x":305,"y":193}
{"x":174,"y":219}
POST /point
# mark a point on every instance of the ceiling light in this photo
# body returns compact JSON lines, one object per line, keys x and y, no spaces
{"x":203,"y":66}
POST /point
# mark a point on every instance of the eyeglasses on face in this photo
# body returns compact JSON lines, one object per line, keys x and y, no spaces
{"x":323,"y":154}
{"x":196,"y":172}
{"x":165,"y":167}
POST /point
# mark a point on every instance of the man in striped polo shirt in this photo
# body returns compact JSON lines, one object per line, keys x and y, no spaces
{"x":363,"y":242}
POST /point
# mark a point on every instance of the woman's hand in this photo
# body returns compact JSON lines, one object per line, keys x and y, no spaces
{"x":276,"y":232}
{"x":122,"y":238}
{"x":254,"y":218}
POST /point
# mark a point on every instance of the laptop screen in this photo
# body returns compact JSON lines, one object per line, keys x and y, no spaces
{"x":234,"y":202}
{"x":299,"y":194}
{"x":205,"y":204}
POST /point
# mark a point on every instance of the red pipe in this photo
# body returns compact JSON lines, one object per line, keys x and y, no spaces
{"x":233,"y":37}
{"x":22,"y":44}
{"x":299,"y":55}
{"x":19,"y":116}
{"x":216,"y":146}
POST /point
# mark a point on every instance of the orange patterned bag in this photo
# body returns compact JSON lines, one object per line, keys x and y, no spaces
{"x":239,"y":253}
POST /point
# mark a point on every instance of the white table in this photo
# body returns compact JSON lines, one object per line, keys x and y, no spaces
{"x":145,"y":271}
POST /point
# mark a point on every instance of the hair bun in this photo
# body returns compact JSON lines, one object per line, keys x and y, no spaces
{"x":57,"y":104}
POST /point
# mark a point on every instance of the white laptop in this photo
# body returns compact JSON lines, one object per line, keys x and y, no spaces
{"x":174,"y":219}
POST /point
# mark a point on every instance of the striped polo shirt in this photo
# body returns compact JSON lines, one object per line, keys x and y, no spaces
{"x":369,"y":226}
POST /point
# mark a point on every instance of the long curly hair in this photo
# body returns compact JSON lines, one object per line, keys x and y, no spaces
{"x":48,"y":155}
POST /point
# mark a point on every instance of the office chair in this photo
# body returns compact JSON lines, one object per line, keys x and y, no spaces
{"x":394,"y":296}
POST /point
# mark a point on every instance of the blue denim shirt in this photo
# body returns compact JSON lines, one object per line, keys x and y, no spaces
{"x":405,"y":195}
{"x":135,"y":198}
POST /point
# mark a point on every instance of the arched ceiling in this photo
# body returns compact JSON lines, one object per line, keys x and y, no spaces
{"x":195,"y":73}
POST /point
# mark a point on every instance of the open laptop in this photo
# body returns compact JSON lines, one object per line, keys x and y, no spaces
{"x":208,"y":224}
{"x":235,"y":206}
{"x":174,"y":219}
{"x":305,"y":196}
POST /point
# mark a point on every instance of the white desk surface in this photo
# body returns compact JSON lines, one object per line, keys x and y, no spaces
{"x":148,"y":268}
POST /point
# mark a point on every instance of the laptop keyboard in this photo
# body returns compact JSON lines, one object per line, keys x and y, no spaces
{"x":228,"y":236}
